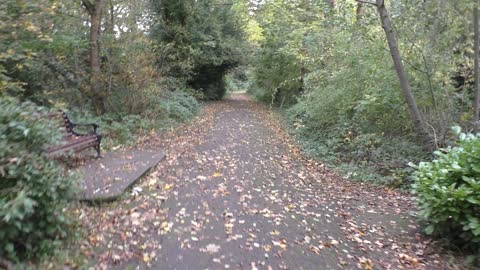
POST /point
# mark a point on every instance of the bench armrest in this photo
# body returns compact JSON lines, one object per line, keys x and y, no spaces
{"x":94,"y":126}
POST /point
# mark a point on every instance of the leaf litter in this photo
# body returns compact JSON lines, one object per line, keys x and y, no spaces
{"x":236,"y":192}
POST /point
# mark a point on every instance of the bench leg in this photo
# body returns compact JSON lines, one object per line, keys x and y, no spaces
{"x":97,"y":147}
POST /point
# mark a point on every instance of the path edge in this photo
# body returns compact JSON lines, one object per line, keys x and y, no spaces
{"x":114,"y":197}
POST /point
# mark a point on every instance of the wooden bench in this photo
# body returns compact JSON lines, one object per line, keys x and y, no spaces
{"x":74,"y":141}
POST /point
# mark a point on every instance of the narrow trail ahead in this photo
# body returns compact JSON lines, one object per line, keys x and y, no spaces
{"x":238,"y":194}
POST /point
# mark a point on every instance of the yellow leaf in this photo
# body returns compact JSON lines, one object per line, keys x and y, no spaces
{"x":366,"y":263}
{"x":275,"y":232}
{"x":283,"y":243}
{"x":152,"y":181}
{"x":165,"y":228}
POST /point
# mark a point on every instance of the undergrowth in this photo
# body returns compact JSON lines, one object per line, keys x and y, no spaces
{"x":370,"y":157}
{"x":448,"y":192}
{"x":162,"y":113}
{"x":35,"y":191}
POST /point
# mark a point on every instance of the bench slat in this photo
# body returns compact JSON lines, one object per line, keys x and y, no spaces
{"x":73,"y":141}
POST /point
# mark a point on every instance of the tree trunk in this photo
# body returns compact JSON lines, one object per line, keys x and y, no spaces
{"x":110,"y":48}
{"x":359,"y":11}
{"x":476,"y":102}
{"x":133,"y":27}
{"x":112,"y":19}
{"x":400,"y":69}
{"x":95,"y":11}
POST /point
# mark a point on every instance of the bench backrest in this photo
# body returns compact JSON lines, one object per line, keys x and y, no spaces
{"x":61,"y":119}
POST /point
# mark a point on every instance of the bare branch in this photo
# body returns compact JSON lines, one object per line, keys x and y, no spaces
{"x":434,"y":135}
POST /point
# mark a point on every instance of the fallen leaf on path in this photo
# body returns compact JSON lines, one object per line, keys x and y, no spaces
{"x":212,"y":248}
{"x":217,"y":174}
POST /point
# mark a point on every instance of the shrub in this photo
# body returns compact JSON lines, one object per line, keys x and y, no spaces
{"x":123,"y":130}
{"x":384,"y":158}
{"x":178,"y":106}
{"x":164,"y":109}
{"x":33,"y":188}
{"x":448,"y":191}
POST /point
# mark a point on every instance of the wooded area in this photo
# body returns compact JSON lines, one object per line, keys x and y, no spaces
{"x":371,"y":87}
{"x":334,"y":73}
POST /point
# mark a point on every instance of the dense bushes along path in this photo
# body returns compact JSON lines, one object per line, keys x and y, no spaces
{"x":237,"y":193}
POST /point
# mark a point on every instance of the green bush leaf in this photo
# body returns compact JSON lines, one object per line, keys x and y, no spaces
{"x":430,"y":229}
{"x":38,"y":188}
{"x":448,"y":193}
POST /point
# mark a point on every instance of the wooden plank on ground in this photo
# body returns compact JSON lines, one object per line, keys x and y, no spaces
{"x":108,"y":178}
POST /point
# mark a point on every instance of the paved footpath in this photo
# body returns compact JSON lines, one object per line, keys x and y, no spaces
{"x":244,"y":197}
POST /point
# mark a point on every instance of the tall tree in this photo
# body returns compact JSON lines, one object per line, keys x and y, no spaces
{"x":359,"y":11}
{"x":94,"y":9}
{"x":399,"y":67}
{"x":203,"y":40}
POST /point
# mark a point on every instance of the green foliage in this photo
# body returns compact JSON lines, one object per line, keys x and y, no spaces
{"x":21,"y":40}
{"x":162,"y":110}
{"x":44,"y":58}
{"x":238,"y":80}
{"x":381,"y":158}
{"x":448,"y":191}
{"x":333,"y":71}
{"x":202,"y":40}
{"x":34,"y":190}
{"x":122,"y":129}
{"x":133,"y":73}
{"x":178,"y":106}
